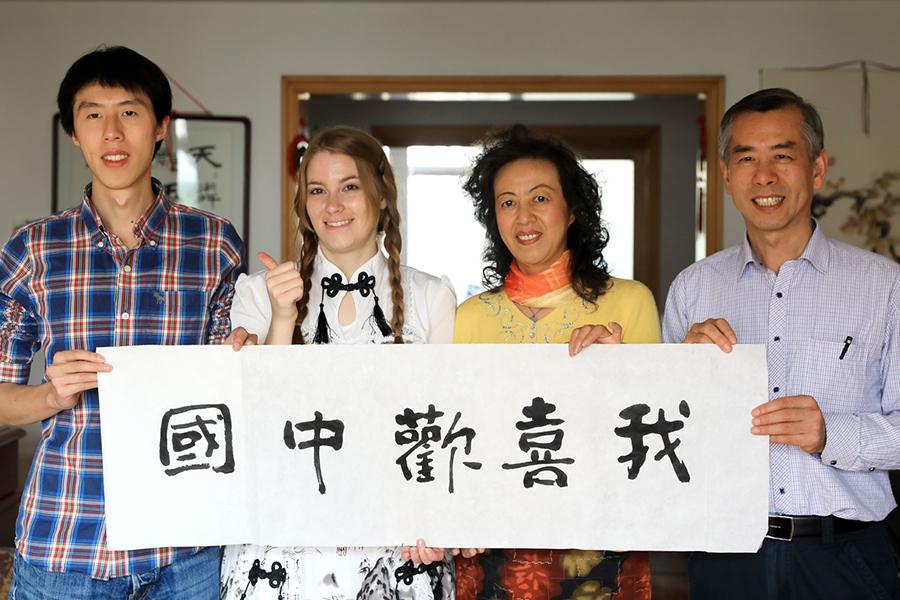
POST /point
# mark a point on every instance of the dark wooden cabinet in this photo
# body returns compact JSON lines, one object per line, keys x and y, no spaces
{"x":9,"y":482}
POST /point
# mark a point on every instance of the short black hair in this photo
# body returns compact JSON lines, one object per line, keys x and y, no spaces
{"x":114,"y":66}
{"x":773,"y":99}
{"x":586,"y":237}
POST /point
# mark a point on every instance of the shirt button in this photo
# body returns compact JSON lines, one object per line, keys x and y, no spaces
{"x":778,"y":294}
{"x":127,"y":268}
{"x":99,"y":244}
{"x":776,"y":389}
{"x":832,"y":463}
{"x":871,"y":469}
{"x":152,"y":242}
{"x":125,"y":316}
{"x":780,"y":490}
{"x":777,"y":338}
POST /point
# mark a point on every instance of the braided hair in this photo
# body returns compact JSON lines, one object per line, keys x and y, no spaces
{"x":377,"y":180}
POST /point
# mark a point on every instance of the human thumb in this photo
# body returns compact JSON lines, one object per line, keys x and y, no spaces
{"x":267,"y":261}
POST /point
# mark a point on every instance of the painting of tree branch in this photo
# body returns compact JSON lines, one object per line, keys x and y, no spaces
{"x":860,"y":201}
{"x":870,"y":213}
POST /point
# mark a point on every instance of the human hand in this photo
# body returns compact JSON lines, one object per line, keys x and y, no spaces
{"x":71,"y":373}
{"x":284,"y":286}
{"x":586,"y":335}
{"x":794,"y":420}
{"x":240,"y":337}
{"x":712,"y":331}
{"x":466,"y":552}
{"x":420,"y":553}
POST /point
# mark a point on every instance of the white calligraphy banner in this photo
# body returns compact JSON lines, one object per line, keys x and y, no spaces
{"x":623,"y":447}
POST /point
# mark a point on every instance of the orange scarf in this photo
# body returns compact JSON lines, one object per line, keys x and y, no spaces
{"x":524,"y":289}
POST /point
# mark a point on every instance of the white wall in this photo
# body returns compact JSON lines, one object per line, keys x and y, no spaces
{"x":231,"y":55}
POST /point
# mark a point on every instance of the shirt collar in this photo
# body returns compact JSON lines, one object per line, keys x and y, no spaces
{"x":148,"y":227}
{"x":90,"y":218}
{"x":377,"y":266}
{"x":816,"y":252}
{"x":746,"y":257}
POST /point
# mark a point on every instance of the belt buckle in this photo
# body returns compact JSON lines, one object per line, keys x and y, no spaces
{"x":781,"y":527}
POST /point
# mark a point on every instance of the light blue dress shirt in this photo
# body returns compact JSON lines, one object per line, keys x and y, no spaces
{"x":806,"y":316}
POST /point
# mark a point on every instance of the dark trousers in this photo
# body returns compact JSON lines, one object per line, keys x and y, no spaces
{"x":852,"y":566}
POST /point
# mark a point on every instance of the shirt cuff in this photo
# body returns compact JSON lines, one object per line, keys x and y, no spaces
{"x":842,"y":442}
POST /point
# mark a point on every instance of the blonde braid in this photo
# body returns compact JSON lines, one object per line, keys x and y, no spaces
{"x":307,"y":262}
{"x":393,"y":243}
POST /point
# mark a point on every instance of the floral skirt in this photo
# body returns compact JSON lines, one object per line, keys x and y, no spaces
{"x":306,"y":573}
{"x":553,"y":575}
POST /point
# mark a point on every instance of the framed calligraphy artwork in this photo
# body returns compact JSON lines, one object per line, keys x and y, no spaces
{"x":204,"y":162}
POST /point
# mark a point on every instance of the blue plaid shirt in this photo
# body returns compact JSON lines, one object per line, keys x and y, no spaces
{"x":806,"y":316}
{"x":66,"y":284}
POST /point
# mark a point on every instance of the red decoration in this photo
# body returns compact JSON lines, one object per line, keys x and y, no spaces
{"x":634,"y":578}
{"x":469,"y":578}
{"x":293,"y":160}
{"x":301,"y":140}
{"x":529,"y":575}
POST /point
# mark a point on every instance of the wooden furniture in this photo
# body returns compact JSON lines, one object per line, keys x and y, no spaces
{"x":9,"y":482}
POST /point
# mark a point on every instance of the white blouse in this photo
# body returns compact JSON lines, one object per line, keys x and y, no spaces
{"x":430,"y":305}
{"x":348,"y":573}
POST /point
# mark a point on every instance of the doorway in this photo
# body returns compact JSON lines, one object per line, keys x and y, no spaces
{"x":638,"y":143}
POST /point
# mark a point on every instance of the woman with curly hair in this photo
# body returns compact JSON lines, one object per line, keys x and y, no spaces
{"x":343,"y":290}
{"x":548,"y":283}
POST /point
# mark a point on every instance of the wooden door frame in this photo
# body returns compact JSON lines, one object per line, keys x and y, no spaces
{"x":711,"y":88}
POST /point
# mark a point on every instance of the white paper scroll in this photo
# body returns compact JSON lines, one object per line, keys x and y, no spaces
{"x":205,"y":446}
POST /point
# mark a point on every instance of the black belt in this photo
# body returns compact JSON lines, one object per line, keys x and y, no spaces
{"x":786,"y":527}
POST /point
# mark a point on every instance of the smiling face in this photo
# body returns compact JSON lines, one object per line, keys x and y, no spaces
{"x":116,"y":131}
{"x":532,"y":214}
{"x":344,"y":218}
{"x":770,"y":176}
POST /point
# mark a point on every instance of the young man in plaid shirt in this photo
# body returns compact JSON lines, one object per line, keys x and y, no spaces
{"x":125,"y":267}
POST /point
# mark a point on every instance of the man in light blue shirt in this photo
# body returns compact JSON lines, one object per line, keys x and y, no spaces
{"x":829,"y":314}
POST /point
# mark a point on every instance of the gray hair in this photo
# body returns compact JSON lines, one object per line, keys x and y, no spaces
{"x":773,"y":99}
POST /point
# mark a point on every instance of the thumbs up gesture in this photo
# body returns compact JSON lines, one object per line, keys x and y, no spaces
{"x":284,"y":285}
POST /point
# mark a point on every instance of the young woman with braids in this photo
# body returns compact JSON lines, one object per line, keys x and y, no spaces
{"x":345,"y":199}
{"x":548,"y":283}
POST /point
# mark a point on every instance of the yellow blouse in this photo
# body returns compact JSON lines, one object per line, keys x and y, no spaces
{"x":492,"y":318}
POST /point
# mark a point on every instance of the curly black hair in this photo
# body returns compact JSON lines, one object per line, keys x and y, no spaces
{"x":587,"y":236}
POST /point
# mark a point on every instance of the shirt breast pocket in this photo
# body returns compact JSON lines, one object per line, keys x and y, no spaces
{"x":834,"y":373}
{"x":171,"y":316}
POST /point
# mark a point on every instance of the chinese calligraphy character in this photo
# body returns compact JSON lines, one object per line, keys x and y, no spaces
{"x":637,"y":429}
{"x":204,"y":153}
{"x":171,"y":190}
{"x":422,"y":440}
{"x":206,"y":192}
{"x":534,"y":441}
{"x":317,"y":425}
{"x":183,"y":429}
